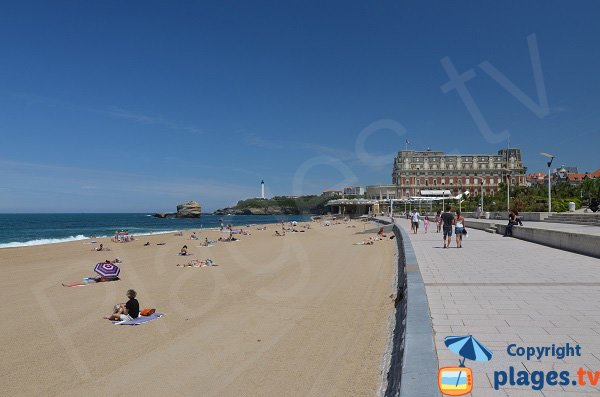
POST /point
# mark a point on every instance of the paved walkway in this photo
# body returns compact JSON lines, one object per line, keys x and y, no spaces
{"x":503,"y":291}
{"x":563,"y":227}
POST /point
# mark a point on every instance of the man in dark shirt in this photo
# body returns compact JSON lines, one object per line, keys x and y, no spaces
{"x":132,"y":307}
{"x":448,"y":221}
{"x":127,"y":311}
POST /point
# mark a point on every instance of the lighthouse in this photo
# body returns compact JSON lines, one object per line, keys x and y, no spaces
{"x":262,"y":189}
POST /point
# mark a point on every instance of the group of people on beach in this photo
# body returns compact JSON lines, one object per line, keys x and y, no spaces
{"x":122,"y":236}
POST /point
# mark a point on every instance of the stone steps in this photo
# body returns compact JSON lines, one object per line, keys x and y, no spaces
{"x":578,"y":219}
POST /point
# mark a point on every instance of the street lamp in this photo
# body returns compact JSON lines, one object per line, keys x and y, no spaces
{"x":551,"y":157}
{"x":481,"y":195}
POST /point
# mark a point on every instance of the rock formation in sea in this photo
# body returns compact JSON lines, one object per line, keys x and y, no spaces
{"x":191,"y":209}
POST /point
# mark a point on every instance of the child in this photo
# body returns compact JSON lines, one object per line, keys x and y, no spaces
{"x":426,"y":222}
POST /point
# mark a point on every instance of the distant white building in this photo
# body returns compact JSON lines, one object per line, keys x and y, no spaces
{"x":354,"y":191}
{"x":331,"y":193}
{"x":382,"y":192}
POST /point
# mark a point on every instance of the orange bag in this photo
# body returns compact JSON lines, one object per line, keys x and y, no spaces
{"x":147,"y":311}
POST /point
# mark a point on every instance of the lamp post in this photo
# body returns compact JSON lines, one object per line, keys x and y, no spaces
{"x":551,"y":157}
{"x":509,"y":175}
{"x":482,"y":196}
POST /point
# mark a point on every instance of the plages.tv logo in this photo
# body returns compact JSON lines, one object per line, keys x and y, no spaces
{"x":458,"y":381}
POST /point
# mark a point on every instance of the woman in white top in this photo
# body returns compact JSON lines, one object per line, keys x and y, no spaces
{"x":459,"y":228}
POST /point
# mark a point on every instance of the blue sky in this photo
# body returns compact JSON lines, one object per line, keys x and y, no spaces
{"x":136,"y":106}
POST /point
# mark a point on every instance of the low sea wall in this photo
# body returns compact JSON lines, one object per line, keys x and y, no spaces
{"x":503,"y":215}
{"x":413,"y":360}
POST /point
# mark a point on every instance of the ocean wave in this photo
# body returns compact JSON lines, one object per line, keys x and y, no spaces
{"x":43,"y":241}
{"x":153,"y":233}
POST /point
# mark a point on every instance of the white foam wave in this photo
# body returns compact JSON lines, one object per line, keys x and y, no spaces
{"x":153,"y":233}
{"x":43,"y":241}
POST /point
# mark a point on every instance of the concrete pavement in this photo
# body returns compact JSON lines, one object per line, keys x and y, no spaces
{"x":504,"y":291}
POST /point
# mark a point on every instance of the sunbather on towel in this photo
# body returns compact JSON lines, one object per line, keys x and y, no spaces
{"x":126,"y":311}
{"x":198,"y":263}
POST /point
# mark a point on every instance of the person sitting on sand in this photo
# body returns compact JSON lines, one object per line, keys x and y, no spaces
{"x":147,"y":244}
{"x":193,"y":236}
{"x":183,"y":251}
{"x":279,"y":234}
{"x":127,"y":311}
{"x":101,"y":248}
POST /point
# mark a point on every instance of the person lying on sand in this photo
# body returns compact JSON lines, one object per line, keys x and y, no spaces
{"x":160,"y":243}
{"x":198,"y":263}
{"x":90,"y":280}
{"x":147,"y":244}
{"x":369,"y":241}
{"x":279,"y":234}
{"x":126,"y":311}
{"x":101,"y":279}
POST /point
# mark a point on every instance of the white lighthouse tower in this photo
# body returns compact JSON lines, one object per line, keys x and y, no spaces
{"x":262,"y":189}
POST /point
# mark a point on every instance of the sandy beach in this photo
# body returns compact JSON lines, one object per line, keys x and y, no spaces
{"x":301,"y":315}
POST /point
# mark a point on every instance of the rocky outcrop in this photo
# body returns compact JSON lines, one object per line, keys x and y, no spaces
{"x":191,"y":209}
{"x":256,"y":211}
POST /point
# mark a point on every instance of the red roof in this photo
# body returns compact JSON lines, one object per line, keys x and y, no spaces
{"x":575,"y":177}
{"x":595,"y":174}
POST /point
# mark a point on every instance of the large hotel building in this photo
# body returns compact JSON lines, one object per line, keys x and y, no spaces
{"x":417,"y":171}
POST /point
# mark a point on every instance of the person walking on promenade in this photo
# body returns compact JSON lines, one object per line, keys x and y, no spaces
{"x":415,"y":220}
{"x":459,"y":228}
{"x":448,"y":222}
{"x":426,"y":222}
{"x":478,"y":212}
{"x":438,"y":221}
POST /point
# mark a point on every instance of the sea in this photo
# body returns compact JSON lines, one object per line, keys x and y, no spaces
{"x":19,"y":230}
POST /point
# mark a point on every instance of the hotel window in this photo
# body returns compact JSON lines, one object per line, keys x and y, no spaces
{"x":475,"y":180}
{"x":467,"y":181}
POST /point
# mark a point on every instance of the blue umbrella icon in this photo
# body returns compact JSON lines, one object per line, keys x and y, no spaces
{"x":469,"y":348}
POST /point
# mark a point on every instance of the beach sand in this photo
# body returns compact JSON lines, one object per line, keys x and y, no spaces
{"x":301,"y":315}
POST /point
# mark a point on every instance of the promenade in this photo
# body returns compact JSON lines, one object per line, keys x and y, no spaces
{"x":505,"y":291}
{"x":560,"y":227}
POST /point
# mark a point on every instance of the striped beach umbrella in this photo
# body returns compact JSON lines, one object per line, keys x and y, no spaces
{"x":468,"y":347}
{"x":107,"y":269}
